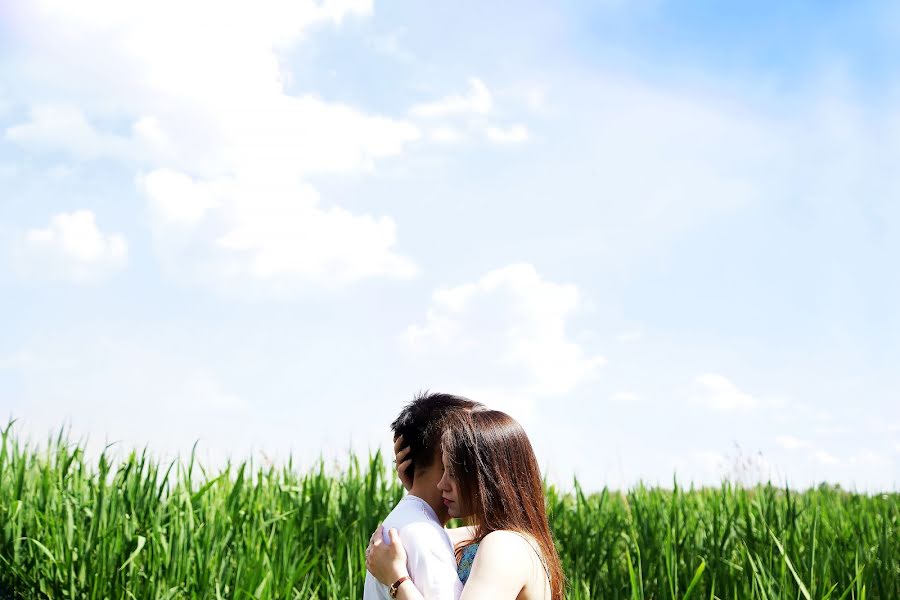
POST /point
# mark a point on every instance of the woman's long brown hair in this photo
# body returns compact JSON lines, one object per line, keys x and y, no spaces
{"x":499,"y":482}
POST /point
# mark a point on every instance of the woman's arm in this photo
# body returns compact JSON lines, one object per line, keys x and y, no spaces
{"x":500,"y":570}
{"x":408,"y":591}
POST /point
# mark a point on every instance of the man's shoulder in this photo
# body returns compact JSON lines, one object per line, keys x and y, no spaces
{"x":423,"y":528}
{"x":414,"y":525}
{"x":410,"y":510}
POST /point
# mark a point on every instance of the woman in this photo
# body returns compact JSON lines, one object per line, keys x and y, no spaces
{"x":491,"y":478}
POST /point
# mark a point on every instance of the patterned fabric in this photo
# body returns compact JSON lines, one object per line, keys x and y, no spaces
{"x":464,"y":567}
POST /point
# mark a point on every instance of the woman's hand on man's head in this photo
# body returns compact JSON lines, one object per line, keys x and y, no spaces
{"x":403,"y":464}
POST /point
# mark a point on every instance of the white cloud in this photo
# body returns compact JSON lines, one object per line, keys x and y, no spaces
{"x":516,"y":134}
{"x":272,"y":231}
{"x":64,"y":127}
{"x":445,"y":134}
{"x":506,"y":332}
{"x":825,"y":458}
{"x":73,"y":248}
{"x":177,"y":199}
{"x":270,"y":20}
{"x":477,"y":100}
{"x":389,"y":45}
{"x":719,"y":393}
{"x":222,"y":151}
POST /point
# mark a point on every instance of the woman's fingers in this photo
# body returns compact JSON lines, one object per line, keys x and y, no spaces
{"x":393,"y":535}
{"x":376,"y":535}
{"x":402,"y":463}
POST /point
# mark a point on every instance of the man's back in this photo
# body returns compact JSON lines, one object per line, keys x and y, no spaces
{"x":430,"y":558}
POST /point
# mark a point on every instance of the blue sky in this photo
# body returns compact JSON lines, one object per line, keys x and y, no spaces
{"x":662,"y":235}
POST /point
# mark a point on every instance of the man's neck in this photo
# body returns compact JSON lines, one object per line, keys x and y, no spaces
{"x":430,"y":500}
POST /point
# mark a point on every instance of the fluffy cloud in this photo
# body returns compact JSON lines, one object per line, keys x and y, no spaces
{"x":469,"y":108}
{"x":812,"y":451}
{"x":64,"y":127}
{"x":505,"y":338}
{"x":477,"y":100}
{"x":74,"y":248}
{"x":270,"y":230}
{"x":825,"y":458}
{"x":222,"y":151}
{"x":177,"y":200}
{"x":719,"y":393}
{"x":444,"y":134}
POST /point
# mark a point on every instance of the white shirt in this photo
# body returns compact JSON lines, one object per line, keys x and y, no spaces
{"x":429,"y":552}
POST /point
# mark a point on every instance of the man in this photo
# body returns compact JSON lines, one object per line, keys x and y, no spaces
{"x":420,"y":516}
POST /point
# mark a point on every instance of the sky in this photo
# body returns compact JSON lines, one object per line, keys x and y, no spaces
{"x":662,"y":235}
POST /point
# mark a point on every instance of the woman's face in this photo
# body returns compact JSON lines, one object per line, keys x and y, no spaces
{"x":449,"y":489}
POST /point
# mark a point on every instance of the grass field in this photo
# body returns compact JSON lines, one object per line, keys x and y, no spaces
{"x":143,"y":530}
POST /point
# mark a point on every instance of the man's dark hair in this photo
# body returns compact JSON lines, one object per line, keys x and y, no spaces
{"x":422,"y":423}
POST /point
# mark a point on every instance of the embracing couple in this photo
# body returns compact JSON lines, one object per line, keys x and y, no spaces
{"x":459,"y":459}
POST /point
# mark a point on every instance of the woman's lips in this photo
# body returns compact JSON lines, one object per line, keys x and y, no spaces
{"x":447,"y":502}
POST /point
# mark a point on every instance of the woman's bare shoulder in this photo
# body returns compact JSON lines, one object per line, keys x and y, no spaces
{"x":505,"y":543}
{"x":501,"y":564}
{"x":514,"y":556}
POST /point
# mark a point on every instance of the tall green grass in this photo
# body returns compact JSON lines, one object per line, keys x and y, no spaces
{"x":142,"y":530}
